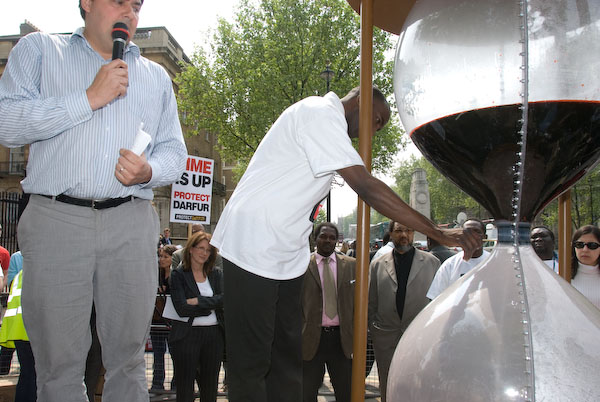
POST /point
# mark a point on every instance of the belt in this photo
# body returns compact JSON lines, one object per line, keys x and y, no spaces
{"x":94,"y":204}
{"x":330,"y":329}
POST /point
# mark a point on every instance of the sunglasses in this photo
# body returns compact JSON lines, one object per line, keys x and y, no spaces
{"x":591,"y":245}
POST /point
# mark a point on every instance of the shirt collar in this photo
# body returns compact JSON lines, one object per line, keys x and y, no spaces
{"x":587,"y":269}
{"x":78,"y":35}
{"x":320,"y":258}
{"x":404,"y":256}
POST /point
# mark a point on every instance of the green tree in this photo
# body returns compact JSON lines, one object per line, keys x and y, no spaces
{"x":270,"y":58}
{"x":447,"y":200}
{"x":585,"y":204}
{"x":344,"y":223}
{"x":585,"y":200}
{"x":321,"y":217}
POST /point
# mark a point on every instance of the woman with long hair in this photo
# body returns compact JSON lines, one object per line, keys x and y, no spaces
{"x":159,"y":338}
{"x":584,"y":264}
{"x":197,"y":344}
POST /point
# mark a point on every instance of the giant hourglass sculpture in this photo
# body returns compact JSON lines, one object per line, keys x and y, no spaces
{"x":503,"y":97}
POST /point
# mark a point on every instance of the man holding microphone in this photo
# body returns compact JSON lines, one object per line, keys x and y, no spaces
{"x":89,"y":232}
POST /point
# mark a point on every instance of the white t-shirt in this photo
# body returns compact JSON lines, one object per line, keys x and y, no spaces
{"x":451,"y":270}
{"x":552,"y":264}
{"x":207,"y":320}
{"x":265,"y":226}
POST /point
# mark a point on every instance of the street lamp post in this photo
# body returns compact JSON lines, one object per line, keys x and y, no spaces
{"x":327,"y":75}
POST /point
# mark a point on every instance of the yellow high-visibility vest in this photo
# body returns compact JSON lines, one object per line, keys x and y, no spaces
{"x":13,"y":328}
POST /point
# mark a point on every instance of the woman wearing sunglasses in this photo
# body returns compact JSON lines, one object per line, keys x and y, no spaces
{"x":586,"y":256}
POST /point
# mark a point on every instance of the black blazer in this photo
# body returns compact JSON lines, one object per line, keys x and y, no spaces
{"x":183,"y":287}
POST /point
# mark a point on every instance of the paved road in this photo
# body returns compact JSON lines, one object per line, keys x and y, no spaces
{"x":326,"y":391}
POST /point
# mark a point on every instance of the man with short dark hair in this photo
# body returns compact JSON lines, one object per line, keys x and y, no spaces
{"x":88,"y":233}
{"x":263,"y":235}
{"x":542,"y":241}
{"x":327,"y":317}
{"x":166,"y":238}
{"x":398,"y":283}
{"x":456,"y":266}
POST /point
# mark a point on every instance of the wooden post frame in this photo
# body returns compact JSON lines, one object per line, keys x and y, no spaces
{"x":388,"y":15}
{"x":564,"y":235}
{"x":361,"y":290}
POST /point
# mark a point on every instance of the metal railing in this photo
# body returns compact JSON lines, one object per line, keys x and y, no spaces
{"x":13,"y":168}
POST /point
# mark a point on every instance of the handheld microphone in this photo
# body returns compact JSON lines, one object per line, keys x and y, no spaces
{"x":120,"y":34}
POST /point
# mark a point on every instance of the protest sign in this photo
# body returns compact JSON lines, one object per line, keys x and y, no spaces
{"x":191,"y":195}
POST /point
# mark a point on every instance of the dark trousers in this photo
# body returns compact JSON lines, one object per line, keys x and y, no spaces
{"x":263,"y":324}
{"x":93,"y":363}
{"x":6,"y":355}
{"x":26,"y":388}
{"x":159,"y":348}
{"x":198,"y":356}
{"x":330,"y":353}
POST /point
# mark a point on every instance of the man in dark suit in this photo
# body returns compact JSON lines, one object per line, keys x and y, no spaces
{"x":166,"y":238}
{"x":327,"y":313}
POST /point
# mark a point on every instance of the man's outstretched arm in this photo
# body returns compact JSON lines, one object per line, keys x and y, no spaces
{"x":379,"y":196}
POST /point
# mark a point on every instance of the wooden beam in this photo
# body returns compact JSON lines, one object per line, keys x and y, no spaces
{"x":564,"y":235}
{"x":361,"y":291}
{"x":388,"y":15}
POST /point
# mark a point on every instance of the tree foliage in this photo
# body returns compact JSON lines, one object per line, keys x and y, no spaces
{"x":270,"y":57}
{"x":321,"y":217}
{"x":447,"y":200}
{"x":585,"y":204}
{"x":585,"y":200}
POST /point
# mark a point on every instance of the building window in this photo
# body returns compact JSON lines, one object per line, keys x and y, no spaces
{"x":16,"y":160}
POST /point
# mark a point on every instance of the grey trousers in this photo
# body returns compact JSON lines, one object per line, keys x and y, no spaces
{"x":73,"y":256}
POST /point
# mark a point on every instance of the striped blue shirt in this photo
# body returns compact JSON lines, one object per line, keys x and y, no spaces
{"x":74,"y":150}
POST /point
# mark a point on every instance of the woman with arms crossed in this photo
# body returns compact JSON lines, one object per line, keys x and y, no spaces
{"x":197,"y":344}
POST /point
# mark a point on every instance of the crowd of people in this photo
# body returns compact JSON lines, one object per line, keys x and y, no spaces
{"x":88,"y":280}
{"x":403,"y":280}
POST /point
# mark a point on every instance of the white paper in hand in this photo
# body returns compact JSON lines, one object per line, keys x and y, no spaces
{"x":142,"y":139}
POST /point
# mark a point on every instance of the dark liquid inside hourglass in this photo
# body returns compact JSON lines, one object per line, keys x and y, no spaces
{"x":477,"y":150}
